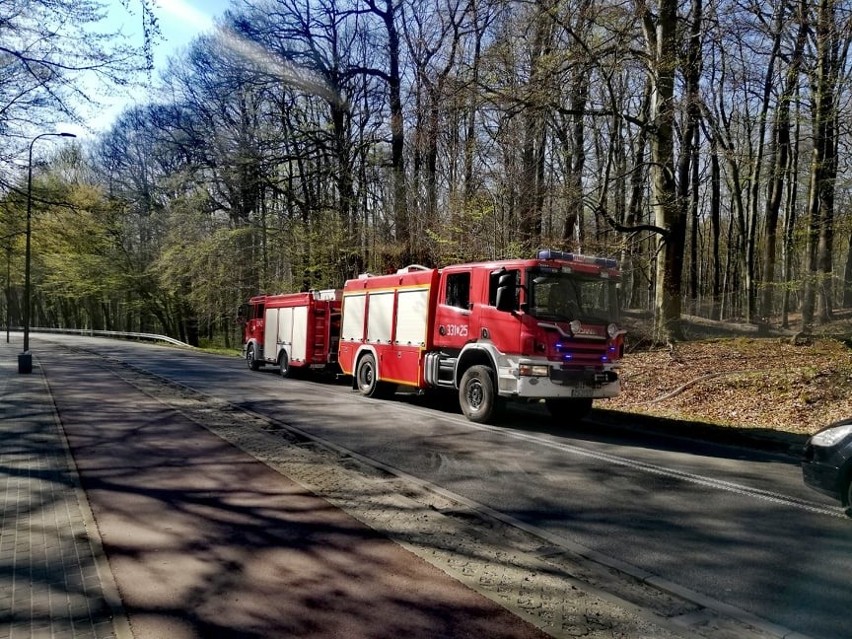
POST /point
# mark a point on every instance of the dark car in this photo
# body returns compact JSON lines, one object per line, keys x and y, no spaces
{"x":827,"y":466}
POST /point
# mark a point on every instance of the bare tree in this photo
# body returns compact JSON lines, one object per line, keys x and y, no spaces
{"x":831,"y":43}
{"x":55,"y":64}
{"x":660,"y":28}
{"x":779,"y":159}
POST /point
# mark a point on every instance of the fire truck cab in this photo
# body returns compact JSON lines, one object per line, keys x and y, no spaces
{"x":526,"y":329}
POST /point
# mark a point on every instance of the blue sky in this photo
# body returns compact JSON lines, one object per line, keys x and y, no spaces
{"x":180,"y":21}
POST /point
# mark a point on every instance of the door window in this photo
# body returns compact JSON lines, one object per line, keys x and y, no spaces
{"x":458,"y":290}
{"x":494,"y":283}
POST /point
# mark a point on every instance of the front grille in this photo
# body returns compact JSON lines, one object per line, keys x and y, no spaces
{"x":576,"y":375}
{"x":583,"y":353}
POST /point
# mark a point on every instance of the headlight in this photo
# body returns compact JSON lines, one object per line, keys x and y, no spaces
{"x":830,"y":436}
{"x":612,"y":331}
{"x":533,"y":370}
{"x":575,"y":326}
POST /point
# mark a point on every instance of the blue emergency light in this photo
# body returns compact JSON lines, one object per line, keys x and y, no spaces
{"x":552,"y":254}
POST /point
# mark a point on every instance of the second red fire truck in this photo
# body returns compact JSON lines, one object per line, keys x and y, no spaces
{"x":525,"y":329}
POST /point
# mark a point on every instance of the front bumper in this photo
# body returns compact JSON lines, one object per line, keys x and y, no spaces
{"x":560,"y":383}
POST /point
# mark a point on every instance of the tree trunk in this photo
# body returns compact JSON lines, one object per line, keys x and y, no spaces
{"x":779,"y":158}
{"x":716,"y":226}
{"x":572,"y":230}
{"x":535,"y":132}
{"x":402,"y":223}
{"x":823,"y":163}
{"x":640,"y":281}
{"x":757,"y":164}
{"x":670,"y":215}
{"x":687,"y":170}
{"x":790,"y":219}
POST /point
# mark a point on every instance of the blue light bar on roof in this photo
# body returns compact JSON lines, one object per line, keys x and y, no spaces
{"x":551,"y":254}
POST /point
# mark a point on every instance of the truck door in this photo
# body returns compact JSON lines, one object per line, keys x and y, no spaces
{"x":453,"y":312}
{"x":502,"y":325}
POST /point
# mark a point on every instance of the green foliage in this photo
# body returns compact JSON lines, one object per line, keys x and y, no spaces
{"x":200,"y":260}
{"x":74,"y":249}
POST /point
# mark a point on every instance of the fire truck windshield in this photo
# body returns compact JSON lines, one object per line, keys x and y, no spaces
{"x":563,"y":297}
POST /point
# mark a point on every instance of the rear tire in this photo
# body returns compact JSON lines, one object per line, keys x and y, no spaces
{"x":251,"y":359}
{"x":284,"y":365}
{"x":477,"y":395}
{"x":569,"y":409}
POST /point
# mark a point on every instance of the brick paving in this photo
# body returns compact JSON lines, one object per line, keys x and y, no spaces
{"x":50,"y":582}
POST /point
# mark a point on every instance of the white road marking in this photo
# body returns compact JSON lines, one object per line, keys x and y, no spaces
{"x":710,"y":482}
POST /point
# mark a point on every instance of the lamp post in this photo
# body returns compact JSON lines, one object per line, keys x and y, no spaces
{"x":8,"y":288}
{"x":25,"y":359}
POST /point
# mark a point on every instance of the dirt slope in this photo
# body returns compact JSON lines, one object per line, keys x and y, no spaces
{"x":743,"y":381}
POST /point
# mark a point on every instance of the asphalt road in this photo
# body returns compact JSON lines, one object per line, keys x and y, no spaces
{"x":731,"y":526}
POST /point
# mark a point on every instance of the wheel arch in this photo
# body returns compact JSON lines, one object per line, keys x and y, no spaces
{"x":253,"y":354}
{"x":366,"y":349}
{"x":475,"y":355}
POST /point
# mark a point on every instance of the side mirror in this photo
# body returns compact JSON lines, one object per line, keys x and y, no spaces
{"x":507,"y":292}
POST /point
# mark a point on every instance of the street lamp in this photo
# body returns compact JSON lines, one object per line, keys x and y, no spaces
{"x":8,"y":288}
{"x":25,"y":359}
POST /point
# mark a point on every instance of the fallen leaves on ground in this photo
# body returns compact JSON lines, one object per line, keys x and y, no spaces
{"x":756,"y":383}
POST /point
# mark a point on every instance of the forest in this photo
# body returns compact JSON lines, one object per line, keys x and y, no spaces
{"x":702,"y":143}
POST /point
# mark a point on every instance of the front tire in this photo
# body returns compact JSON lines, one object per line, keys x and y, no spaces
{"x":251,"y":358}
{"x":477,"y":395}
{"x":367,"y":379}
{"x":569,"y":409}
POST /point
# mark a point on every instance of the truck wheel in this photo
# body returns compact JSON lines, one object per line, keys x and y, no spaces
{"x":367,"y":379}
{"x":284,"y":365}
{"x":477,"y":395}
{"x":251,"y":360}
{"x":568,"y":409}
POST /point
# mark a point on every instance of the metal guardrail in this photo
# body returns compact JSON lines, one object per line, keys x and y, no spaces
{"x":115,"y":334}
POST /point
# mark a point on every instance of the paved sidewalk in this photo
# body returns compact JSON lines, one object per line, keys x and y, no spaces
{"x":50,"y":569}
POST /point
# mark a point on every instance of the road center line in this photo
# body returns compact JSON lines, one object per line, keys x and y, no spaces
{"x":653,"y":469}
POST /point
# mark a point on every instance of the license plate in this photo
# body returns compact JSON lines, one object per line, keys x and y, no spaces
{"x":583,"y":391}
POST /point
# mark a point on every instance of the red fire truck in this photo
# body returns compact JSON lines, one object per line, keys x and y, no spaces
{"x":293,"y":331}
{"x":525,"y":329}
